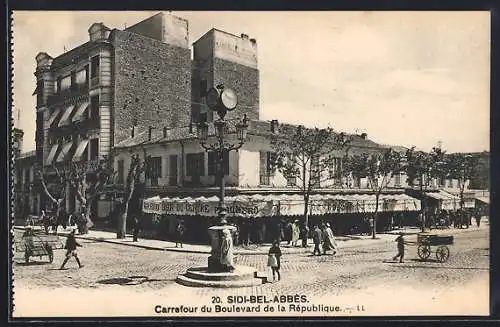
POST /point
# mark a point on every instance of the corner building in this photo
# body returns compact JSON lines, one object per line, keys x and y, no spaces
{"x":90,"y":97}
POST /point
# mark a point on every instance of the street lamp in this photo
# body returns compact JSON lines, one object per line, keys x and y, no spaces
{"x":221,"y":100}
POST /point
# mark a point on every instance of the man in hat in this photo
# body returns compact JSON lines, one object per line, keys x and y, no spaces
{"x":71,"y":245}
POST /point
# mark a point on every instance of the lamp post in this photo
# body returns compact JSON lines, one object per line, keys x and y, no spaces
{"x":221,"y":100}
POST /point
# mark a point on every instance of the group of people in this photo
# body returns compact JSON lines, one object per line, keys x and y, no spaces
{"x":458,"y":218}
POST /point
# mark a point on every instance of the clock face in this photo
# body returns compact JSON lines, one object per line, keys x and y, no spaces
{"x":229,"y":99}
{"x":212,"y":98}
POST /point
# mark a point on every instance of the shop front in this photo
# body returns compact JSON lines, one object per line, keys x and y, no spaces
{"x":261,"y":218}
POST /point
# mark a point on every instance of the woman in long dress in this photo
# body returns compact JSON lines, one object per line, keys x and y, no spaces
{"x":330,"y":243}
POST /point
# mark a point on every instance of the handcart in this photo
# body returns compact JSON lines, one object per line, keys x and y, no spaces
{"x":38,"y":245}
{"x":426,"y":242}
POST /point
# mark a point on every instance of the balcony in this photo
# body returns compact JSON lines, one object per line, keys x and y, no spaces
{"x":74,"y":91}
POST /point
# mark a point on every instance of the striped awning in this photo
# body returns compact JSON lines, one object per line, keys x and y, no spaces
{"x":53,"y":117}
{"x":65,"y":117}
{"x":79,"y":150}
{"x":64,"y":152}
{"x":80,"y":111}
{"x":52,"y":154}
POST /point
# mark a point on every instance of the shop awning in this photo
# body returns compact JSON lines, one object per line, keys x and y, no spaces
{"x":65,"y":117}
{"x":79,"y":150}
{"x":64,"y":151}
{"x":53,"y":117}
{"x":52,"y":154}
{"x":80,"y":111}
{"x":484,"y":199}
{"x":448,"y":201}
{"x":259,"y":205}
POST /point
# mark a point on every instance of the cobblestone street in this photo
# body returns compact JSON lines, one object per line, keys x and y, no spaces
{"x":145,"y":277}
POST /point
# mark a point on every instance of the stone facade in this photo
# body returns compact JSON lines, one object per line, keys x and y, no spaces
{"x":152,"y":84}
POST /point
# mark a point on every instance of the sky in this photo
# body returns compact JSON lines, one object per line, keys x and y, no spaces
{"x":404,"y":78}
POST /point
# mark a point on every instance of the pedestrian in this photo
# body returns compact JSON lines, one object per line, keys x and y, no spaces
{"x":317,"y":237}
{"x":274,"y":259}
{"x":180,"y":230}
{"x":478,"y":218}
{"x":71,"y":245}
{"x":136,"y":229}
{"x":295,"y":232}
{"x":304,"y":233}
{"x":401,"y":247}
{"x":288,"y":232}
{"x":329,"y":239}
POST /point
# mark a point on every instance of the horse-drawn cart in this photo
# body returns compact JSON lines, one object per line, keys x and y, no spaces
{"x":426,"y":242}
{"x":37,"y":245}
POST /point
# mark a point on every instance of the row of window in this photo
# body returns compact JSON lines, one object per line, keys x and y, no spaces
{"x":195,"y":167}
{"x":73,"y":80}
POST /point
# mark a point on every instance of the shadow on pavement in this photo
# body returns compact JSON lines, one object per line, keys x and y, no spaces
{"x":445,"y":267}
{"x":32,"y":263}
{"x":130,"y":281}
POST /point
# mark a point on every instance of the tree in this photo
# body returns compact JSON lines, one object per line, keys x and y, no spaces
{"x":135,"y":177}
{"x":461,"y":167}
{"x":423,"y":167}
{"x":88,"y":180}
{"x":378,"y":169}
{"x":303,"y":155}
{"x":57,"y":194}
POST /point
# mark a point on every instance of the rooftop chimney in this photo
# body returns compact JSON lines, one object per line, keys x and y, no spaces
{"x":364,"y":136}
{"x":274,"y":126}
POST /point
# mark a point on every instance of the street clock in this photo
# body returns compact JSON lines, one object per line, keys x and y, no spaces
{"x":229,"y":99}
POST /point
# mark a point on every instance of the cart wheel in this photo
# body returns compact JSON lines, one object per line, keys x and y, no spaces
{"x":442,"y":253}
{"x":424,"y":251}
{"x":26,"y":256}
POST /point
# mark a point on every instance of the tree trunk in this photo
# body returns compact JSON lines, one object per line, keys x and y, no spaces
{"x":374,"y":228}
{"x":122,"y":222}
{"x":306,"y":210}
{"x":424,"y":206}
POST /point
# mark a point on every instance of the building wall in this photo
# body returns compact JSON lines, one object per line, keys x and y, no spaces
{"x":223,"y":58}
{"x":164,"y":27}
{"x":152,"y":83}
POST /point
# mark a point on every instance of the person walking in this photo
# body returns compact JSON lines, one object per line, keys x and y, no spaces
{"x":180,"y":230}
{"x":295,"y":233}
{"x":317,"y":237}
{"x":71,"y":245}
{"x":288,"y":232}
{"x":274,"y":259}
{"x":136,"y":228}
{"x":401,"y":248}
{"x":329,"y":239}
{"x":304,"y":234}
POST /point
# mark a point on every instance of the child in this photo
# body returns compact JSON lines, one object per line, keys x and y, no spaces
{"x":71,"y":245}
{"x":274,"y":259}
{"x":401,"y":247}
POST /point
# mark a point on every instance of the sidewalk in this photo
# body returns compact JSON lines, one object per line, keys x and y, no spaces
{"x":151,"y":244}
